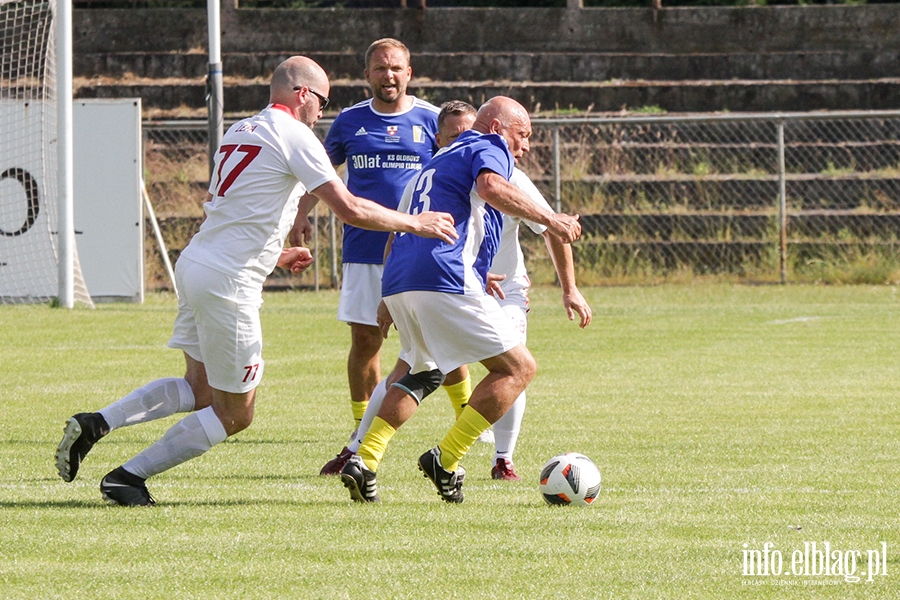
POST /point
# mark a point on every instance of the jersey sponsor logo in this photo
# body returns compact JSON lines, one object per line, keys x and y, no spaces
{"x":418,"y":134}
{"x":247,"y":127}
{"x":402,"y":161}
{"x":392,"y":137}
{"x":386,"y":161}
{"x":366,"y":161}
{"x":361,"y":131}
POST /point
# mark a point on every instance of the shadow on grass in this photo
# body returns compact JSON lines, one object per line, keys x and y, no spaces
{"x":103,"y":505}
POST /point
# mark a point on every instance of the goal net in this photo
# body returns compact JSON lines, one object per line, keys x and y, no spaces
{"x":29,"y":240}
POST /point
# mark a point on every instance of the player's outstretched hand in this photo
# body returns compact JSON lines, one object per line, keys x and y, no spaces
{"x":436,"y":225}
{"x":565,"y":227}
{"x":296,"y":259}
{"x":575,"y":303}
{"x":384,"y":319}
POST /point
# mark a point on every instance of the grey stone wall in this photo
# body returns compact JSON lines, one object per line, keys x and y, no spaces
{"x":670,"y":30}
{"x":785,"y":58}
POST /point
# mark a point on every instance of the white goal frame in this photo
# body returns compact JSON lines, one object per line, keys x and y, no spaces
{"x":39,"y":259}
{"x":66,"y":186}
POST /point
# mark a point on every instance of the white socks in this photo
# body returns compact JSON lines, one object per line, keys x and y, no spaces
{"x":157,"y":399}
{"x":187,"y":439}
{"x":506,"y":429}
{"x":372,"y":409}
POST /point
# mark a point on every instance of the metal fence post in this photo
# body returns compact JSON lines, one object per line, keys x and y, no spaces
{"x":332,"y":233}
{"x":782,"y":204}
{"x":557,"y":193}
{"x":316,"y":245}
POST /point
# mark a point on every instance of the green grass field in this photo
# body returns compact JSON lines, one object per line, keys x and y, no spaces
{"x":723,"y":418}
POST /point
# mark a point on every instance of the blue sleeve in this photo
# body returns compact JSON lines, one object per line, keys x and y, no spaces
{"x":492,"y":154}
{"x":334,"y":144}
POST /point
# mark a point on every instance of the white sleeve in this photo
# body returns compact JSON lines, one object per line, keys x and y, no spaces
{"x":521,"y":181}
{"x":307,"y":158}
{"x":406,"y":198}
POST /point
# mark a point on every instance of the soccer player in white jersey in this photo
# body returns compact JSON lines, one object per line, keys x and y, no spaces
{"x":263,"y":165}
{"x":384,"y":142}
{"x":436,"y":296}
{"x":512,"y":293}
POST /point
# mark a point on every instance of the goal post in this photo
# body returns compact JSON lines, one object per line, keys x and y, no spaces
{"x":64,"y":151}
{"x":37,"y":237}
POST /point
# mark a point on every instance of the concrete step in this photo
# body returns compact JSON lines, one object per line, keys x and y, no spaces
{"x":681,"y":30}
{"x":519,"y":66}
{"x":186,"y":98}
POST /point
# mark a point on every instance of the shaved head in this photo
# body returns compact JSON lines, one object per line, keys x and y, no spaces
{"x":503,"y":109}
{"x":297,"y":71}
{"x":295,"y":85}
{"x":507,"y":118}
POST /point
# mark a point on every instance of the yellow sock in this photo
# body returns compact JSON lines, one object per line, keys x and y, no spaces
{"x":461,"y":436}
{"x":375,"y":443}
{"x":359,"y":409}
{"x":459,"y":394}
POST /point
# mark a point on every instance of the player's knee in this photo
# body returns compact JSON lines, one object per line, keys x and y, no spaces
{"x":399,"y":371}
{"x":517,"y":364}
{"x":235,"y":417}
{"x":239,"y":421}
{"x":420,"y":385}
{"x":529,"y":367}
{"x":524,"y":367}
{"x":365,"y":338}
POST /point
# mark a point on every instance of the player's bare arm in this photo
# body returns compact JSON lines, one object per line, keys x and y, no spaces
{"x":301,"y":232}
{"x":507,"y":198}
{"x":366,"y":214}
{"x":573,"y":301}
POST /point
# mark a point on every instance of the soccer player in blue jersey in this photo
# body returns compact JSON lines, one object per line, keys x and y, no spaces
{"x":384,"y":142}
{"x":510,"y":284}
{"x":437,"y":299}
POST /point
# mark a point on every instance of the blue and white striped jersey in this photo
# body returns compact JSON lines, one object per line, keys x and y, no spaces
{"x":447,"y":184}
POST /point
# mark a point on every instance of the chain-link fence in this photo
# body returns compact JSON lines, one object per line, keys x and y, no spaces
{"x":763,"y":197}
{"x":176,"y":174}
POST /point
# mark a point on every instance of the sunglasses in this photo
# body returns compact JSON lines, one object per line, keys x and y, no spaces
{"x":323,"y":100}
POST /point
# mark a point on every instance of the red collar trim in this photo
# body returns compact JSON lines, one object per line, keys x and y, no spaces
{"x":282,"y":107}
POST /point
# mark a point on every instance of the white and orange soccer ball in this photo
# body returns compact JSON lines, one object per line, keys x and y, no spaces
{"x":570,"y":479}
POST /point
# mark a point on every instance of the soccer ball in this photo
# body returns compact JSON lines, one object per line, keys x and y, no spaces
{"x":570,"y":479}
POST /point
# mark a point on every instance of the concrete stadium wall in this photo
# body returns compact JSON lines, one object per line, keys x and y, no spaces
{"x":670,"y":30}
{"x":784,"y":58}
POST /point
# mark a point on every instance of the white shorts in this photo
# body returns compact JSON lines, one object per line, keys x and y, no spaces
{"x":218,"y":325}
{"x":360,"y":293}
{"x":518,"y":318}
{"x":445,"y":331}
